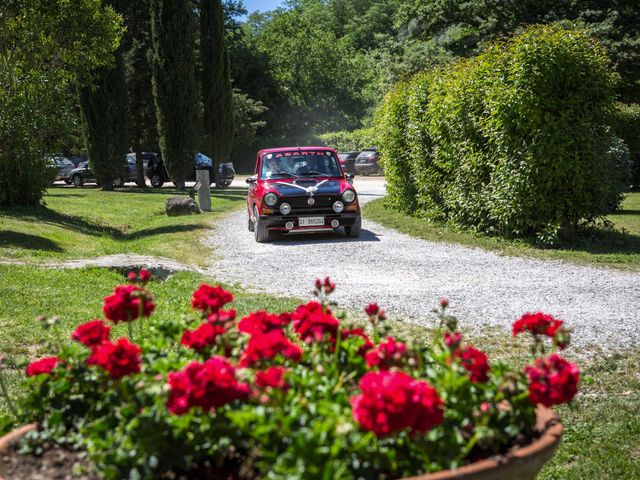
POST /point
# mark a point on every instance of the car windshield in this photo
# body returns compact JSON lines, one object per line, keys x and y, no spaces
{"x":67,"y":162}
{"x":300,"y":164}
{"x":368,"y":153}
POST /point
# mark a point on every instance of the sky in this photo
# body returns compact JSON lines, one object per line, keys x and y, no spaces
{"x":262,"y":5}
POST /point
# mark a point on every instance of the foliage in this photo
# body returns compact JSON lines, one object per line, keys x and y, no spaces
{"x":45,"y":47}
{"x":391,"y":118}
{"x":626,"y":125}
{"x":345,"y":141}
{"x":174,"y":86}
{"x":283,"y":393}
{"x":104,"y":113}
{"x":512,"y":142}
{"x":217,"y":95}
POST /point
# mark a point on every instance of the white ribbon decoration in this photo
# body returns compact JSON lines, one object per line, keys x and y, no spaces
{"x":310,"y":190}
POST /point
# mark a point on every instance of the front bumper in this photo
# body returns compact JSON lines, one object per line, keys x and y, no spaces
{"x":278,"y":222}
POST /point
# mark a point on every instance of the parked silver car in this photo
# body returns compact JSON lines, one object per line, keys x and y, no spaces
{"x":63,"y":167}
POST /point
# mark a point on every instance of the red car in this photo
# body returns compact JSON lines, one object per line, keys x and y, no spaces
{"x":301,"y":190}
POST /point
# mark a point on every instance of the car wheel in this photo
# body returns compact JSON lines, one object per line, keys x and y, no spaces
{"x":77,"y":180}
{"x":260,"y":230}
{"x":353,"y":231}
{"x":118,"y":182}
{"x":67,"y":181}
{"x":156,"y":180}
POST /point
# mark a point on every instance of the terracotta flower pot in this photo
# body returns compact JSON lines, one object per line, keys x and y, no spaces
{"x":521,"y":464}
{"x":11,"y":438}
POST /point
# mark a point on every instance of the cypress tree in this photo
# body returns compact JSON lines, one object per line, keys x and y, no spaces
{"x":174,"y":87}
{"x":103,"y":105}
{"x":217,"y":96}
{"x":104,"y":112}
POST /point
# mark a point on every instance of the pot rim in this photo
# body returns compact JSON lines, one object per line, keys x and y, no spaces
{"x":547,"y":422}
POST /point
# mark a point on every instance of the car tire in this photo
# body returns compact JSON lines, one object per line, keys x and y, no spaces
{"x":250,"y":225}
{"x":77,"y":180}
{"x":260,"y":230}
{"x":353,"y":231}
{"x":156,"y":180}
{"x":118,"y":182}
{"x":67,"y":181}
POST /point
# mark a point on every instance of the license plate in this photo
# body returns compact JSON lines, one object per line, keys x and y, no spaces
{"x":311,"y":221}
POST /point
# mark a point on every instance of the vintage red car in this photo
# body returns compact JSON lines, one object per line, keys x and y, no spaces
{"x":301,"y":190}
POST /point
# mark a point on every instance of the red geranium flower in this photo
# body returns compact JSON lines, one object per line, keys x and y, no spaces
{"x":537,"y":323}
{"x":386,"y":355}
{"x":222,"y":316}
{"x":208,"y":386}
{"x":145,"y":275}
{"x":312,"y":323}
{"x":475,"y":362}
{"x":372,"y":309}
{"x":42,"y":366}
{"x":392,"y":401}
{"x":552,"y":380}
{"x":263,"y":322}
{"x":267,"y":346}
{"x":203,"y":336}
{"x":210,"y":299}
{"x":119,"y":359}
{"x":452,"y":340}
{"x":359,"y":333}
{"x":127,"y":303}
{"x":92,"y":334}
{"x":272,"y":377}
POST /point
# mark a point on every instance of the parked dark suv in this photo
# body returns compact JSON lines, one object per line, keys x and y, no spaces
{"x":348,"y":161}
{"x":367,"y":162}
{"x":157,"y":172}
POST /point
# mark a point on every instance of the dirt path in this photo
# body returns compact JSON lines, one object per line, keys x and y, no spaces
{"x":406,"y":276}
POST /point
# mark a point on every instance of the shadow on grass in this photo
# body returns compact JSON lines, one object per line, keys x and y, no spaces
{"x":44,"y":215}
{"x":606,"y":242}
{"x":9,"y":238}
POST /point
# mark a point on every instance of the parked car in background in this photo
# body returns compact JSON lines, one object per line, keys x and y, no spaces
{"x":348,"y":161}
{"x":158,"y":176}
{"x":83,"y":174}
{"x":78,"y":159}
{"x":301,"y":190}
{"x":62,"y":167}
{"x":367,"y":162}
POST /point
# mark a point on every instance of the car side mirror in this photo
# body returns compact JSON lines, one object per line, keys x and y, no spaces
{"x":251,"y":180}
{"x":349,"y":177}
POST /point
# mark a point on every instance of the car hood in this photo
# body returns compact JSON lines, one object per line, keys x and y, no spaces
{"x":297,"y":188}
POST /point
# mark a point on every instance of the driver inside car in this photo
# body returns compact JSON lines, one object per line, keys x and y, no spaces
{"x":273,"y":167}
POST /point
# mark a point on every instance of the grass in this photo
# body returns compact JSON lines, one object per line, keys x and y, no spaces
{"x":87,"y":222}
{"x":602,"y":428}
{"x":617,"y":248}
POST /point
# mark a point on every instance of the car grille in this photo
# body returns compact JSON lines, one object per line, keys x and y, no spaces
{"x":299,"y":205}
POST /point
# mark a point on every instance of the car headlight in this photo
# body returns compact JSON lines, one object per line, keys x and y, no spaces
{"x":338,"y":206}
{"x":285,"y":209}
{"x":270,"y":199}
{"x":349,"y":196}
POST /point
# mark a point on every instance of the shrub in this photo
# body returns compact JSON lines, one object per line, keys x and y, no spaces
{"x":626,"y":125}
{"x":391,"y":137}
{"x":513,"y":142}
{"x":345,"y":141}
{"x":290,"y":395}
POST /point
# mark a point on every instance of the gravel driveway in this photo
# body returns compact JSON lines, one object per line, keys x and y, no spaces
{"x":407,"y":276}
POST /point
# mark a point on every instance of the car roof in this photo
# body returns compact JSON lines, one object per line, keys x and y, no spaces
{"x":288,"y":149}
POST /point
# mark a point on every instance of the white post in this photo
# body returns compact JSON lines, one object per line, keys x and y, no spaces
{"x":204,"y":190}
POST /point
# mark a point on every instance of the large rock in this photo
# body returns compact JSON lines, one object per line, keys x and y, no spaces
{"x":177,"y":206}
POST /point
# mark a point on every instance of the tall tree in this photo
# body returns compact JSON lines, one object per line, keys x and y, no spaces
{"x":143,"y":132}
{"x":104,"y":112}
{"x":45,"y":48}
{"x":174,"y":85}
{"x":217,"y":96}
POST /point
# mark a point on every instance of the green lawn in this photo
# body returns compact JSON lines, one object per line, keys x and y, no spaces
{"x":87,"y":222}
{"x":619,"y":248}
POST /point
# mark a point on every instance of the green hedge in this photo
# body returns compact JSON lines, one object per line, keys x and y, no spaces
{"x":626,"y":125}
{"x":345,"y":141}
{"x":513,"y":142}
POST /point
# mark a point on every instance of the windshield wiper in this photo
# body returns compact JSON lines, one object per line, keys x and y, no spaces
{"x":288,"y":174}
{"x":314,"y":172}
